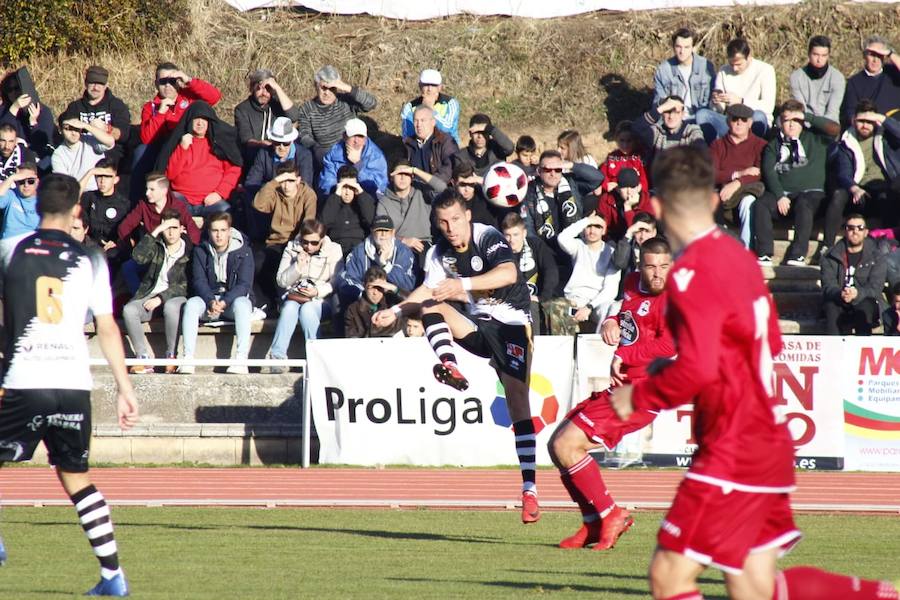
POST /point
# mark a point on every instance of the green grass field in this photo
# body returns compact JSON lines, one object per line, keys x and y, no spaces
{"x":320,"y":553}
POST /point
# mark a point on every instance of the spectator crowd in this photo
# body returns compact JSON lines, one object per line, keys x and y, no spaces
{"x":310,"y":212}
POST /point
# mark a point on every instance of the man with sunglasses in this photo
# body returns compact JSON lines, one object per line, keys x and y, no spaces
{"x":793,"y":171}
{"x":867,"y":167}
{"x":18,"y":201}
{"x":736,"y":157}
{"x":878,"y":80}
{"x":322,"y":118}
{"x":175,"y":92}
{"x":853,"y":275}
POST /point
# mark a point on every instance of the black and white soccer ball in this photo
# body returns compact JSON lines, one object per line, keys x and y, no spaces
{"x":505,"y":184}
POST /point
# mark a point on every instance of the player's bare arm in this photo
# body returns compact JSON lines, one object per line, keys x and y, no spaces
{"x":110,"y":339}
{"x":455,"y":288}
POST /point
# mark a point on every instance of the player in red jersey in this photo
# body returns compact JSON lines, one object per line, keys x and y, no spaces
{"x":640,"y":332}
{"x":732,"y":510}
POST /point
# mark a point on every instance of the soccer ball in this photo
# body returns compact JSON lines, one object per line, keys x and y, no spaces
{"x":505,"y":185}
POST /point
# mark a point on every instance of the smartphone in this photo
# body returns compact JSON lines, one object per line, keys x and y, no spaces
{"x":572,"y":311}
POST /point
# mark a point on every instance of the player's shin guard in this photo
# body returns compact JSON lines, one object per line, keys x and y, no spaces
{"x":526,"y":448}
{"x":810,"y":583}
{"x":588,"y":512}
{"x":439,"y":336}
{"x":93,"y":514}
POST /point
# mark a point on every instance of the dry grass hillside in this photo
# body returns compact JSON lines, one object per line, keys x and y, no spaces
{"x":535,"y":77}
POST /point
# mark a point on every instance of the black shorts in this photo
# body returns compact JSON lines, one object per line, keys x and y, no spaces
{"x":59,"y":418}
{"x":508,"y":346}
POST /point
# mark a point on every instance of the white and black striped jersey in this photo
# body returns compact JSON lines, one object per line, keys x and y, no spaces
{"x":487,"y":249}
{"x":50,"y":281}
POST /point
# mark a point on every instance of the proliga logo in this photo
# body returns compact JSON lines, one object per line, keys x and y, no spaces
{"x":541,"y":392}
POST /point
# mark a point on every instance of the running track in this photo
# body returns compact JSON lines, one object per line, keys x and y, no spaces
{"x":437,"y":488}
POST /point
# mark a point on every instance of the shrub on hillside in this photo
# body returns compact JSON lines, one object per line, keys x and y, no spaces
{"x":41,"y":26}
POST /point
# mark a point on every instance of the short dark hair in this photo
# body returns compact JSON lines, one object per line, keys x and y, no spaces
{"x":158,"y":176}
{"x":170,"y":213}
{"x":57,"y":194}
{"x":29,"y":165}
{"x":6,"y":128}
{"x":480,"y":119}
{"x":865,"y":105}
{"x":819,"y":41}
{"x":401,"y":162}
{"x":218,"y":216}
{"x":643,"y":216}
{"x":854,"y":216}
{"x":683,"y":177}
{"x":683,"y":33}
{"x":525,"y":143}
{"x":550,"y":154}
{"x":895,"y":290}
{"x":623,"y":127}
{"x":107,"y":163}
{"x":287,"y":166}
{"x":511,"y":220}
{"x":792,"y":105}
{"x":165,"y":66}
{"x":462,"y":168}
{"x":655,"y":245}
{"x":448,"y":199}
{"x":374,"y":273}
{"x":737,"y":46}
{"x":312,"y":226}
{"x":347,"y":172}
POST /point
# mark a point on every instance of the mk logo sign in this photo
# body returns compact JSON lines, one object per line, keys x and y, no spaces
{"x":887,"y":363}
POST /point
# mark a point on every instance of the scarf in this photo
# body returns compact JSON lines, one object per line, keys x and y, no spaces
{"x":815,"y":72}
{"x":12,"y":163}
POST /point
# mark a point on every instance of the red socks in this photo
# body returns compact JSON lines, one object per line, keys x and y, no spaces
{"x":809,"y":583}
{"x":694,"y":595}
{"x":585,"y":477}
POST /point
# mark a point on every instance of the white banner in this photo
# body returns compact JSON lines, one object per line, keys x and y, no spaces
{"x":376,"y":402}
{"x":871,"y":401}
{"x":809,"y":375}
{"x":415,"y":10}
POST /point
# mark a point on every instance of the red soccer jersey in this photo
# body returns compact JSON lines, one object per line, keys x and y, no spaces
{"x":725,"y":327}
{"x":644,"y":333}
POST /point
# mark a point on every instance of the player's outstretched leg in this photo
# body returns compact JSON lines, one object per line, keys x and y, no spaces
{"x":526,"y":449}
{"x":441,"y":340}
{"x":93,"y":514}
{"x":810,"y":583}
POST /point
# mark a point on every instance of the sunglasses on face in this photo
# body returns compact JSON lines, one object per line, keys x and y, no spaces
{"x":103,"y":176}
{"x":552,"y":169}
{"x":29,"y":181}
{"x":794,"y":120}
{"x":740,"y":119}
{"x":167,"y":81}
{"x":282,"y":144}
{"x":855,"y":227}
{"x":313,"y":243}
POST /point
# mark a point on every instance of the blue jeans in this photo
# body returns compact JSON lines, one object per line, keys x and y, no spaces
{"x":238,"y":311}
{"x":713,"y":122}
{"x":309,"y":314}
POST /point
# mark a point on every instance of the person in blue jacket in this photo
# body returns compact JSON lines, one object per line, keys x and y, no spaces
{"x":357,"y":150}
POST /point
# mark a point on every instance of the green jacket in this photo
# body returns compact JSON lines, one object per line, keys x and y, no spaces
{"x":151,"y":251}
{"x":783,"y":179}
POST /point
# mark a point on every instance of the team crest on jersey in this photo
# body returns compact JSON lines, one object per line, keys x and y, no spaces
{"x":515,"y":351}
{"x":644,"y":309}
{"x":683,"y":278}
{"x":477,"y":264}
{"x":629,"y":332}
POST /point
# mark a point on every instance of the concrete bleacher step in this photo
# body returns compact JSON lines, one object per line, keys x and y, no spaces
{"x":801,"y":324}
{"x":798,"y":302}
{"x":781,"y":247}
{"x":205,"y":417}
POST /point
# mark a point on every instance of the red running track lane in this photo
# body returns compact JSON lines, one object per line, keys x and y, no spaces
{"x":456,"y":488}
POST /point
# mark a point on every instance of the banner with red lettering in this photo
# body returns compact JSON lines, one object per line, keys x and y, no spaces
{"x":871,"y":403}
{"x":809,"y":374}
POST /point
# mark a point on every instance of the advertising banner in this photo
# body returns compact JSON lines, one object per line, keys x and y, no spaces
{"x":376,"y":402}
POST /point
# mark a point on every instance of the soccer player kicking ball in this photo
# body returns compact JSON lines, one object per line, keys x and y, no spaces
{"x":640,"y":332}
{"x":732,"y":511}
{"x":474,"y":266}
{"x":50,"y":282}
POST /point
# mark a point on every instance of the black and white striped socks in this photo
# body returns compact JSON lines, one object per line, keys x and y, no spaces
{"x":93,"y":514}
{"x":438,"y":333}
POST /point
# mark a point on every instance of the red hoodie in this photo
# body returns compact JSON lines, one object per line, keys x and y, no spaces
{"x":197,"y":172}
{"x":156,"y":126}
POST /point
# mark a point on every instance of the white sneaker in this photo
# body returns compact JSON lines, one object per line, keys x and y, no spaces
{"x":796,"y":262}
{"x":186,"y":369}
{"x":237,"y":370}
{"x":765,"y":260}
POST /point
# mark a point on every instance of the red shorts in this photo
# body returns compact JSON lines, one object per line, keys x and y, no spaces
{"x":596,"y":418}
{"x":714,"y":528}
